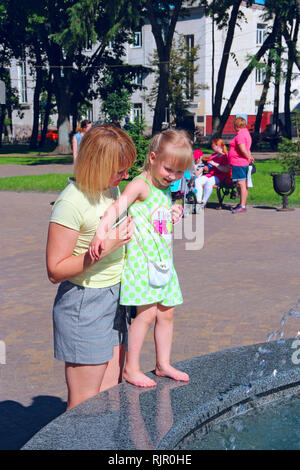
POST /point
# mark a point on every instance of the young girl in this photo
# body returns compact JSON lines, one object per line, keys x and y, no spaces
{"x":217,"y":168}
{"x":148,"y":198}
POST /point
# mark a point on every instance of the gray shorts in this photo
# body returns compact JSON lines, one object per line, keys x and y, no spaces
{"x":88,"y":323}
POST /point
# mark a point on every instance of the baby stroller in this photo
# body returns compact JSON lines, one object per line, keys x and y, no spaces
{"x":184,"y":189}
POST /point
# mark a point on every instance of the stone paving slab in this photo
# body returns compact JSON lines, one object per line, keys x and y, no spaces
{"x":235,"y":290}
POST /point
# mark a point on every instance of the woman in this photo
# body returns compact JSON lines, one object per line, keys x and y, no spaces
{"x":89,"y":331}
{"x":217,"y":169}
{"x":239,"y":158}
{"x":85,"y":125}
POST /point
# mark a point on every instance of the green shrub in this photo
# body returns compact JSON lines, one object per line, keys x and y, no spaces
{"x":289,"y":155}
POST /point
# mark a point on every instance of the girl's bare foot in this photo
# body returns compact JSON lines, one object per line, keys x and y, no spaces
{"x":138,"y":379}
{"x":169,"y":371}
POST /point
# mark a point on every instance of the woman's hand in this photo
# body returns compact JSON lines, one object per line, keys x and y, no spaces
{"x":96,"y":246}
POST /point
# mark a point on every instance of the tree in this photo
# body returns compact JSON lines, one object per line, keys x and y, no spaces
{"x":62,"y":30}
{"x":163,"y":16}
{"x":181,"y":86}
{"x":227,"y":14}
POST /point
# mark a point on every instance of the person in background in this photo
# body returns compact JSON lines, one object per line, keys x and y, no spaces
{"x":239,"y":157}
{"x":217,"y":169}
{"x":85,"y":125}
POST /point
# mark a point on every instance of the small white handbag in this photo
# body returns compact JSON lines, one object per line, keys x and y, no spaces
{"x":159,"y":272}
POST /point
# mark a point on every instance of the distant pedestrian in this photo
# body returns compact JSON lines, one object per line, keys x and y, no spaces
{"x":85,"y":125}
{"x":239,"y":157}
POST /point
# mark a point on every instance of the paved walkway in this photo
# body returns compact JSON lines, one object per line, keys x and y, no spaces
{"x":236,"y":289}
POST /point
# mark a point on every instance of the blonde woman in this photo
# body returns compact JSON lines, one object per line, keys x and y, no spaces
{"x":89,"y":331}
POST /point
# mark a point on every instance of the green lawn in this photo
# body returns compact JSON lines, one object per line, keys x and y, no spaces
{"x":262,"y":192}
{"x":36,"y":160}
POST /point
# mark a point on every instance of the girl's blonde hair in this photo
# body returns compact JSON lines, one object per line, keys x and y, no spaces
{"x":220,"y":143}
{"x":104,"y":150}
{"x":175,"y":144}
{"x":240,"y":122}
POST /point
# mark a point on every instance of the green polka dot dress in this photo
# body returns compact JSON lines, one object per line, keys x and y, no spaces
{"x":153,"y":228}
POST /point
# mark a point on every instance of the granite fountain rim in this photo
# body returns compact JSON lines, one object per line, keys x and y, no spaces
{"x":219,"y":381}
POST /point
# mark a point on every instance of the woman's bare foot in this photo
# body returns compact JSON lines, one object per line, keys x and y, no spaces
{"x":139,"y":379}
{"x":169,"y":371}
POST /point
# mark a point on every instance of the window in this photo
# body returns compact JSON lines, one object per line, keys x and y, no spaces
{"x":260,"y":75}
{"x":261,"y":30}
{"x":138,"y":79}
{"x":137,"y":111}
{"x":22,"y":81}
{"x":189,"y":40}
{"x":137,"y":39}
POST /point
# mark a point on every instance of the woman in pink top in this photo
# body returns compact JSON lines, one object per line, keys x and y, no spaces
{"x":239,"y":158}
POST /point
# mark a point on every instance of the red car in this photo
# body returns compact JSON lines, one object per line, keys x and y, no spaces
{"x":52,"y":134}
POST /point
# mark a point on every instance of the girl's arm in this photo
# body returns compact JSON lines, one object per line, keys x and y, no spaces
{"x":198,"y":172}
{"x":135,"y":190}
{"x":62,"y":265}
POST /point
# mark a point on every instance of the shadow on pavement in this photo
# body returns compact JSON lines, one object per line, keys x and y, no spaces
{"x":19,"y":423}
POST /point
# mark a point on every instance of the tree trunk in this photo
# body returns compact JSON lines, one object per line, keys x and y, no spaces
{"x":163,"y":44}
{"x":63,"y":101}
{"x":36,"y":108}
{"x":2,"y":117}
{"x":217,"y":105}
{"x":288,"y":83}
{"x":262,"y":103}
{"x":48,"y":108}
{"x":161,"y":102}
{"x":243,"y":78}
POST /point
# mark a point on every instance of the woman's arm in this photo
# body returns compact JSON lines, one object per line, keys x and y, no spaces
{"x":244,"y":153}
{"x":74,"y":147}
{"x":62,"y":265}
{"x":223,"y":168}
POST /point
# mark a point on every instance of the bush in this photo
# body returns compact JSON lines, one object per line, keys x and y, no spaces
{"x":141,"y":142}
{"x":289,"y":155}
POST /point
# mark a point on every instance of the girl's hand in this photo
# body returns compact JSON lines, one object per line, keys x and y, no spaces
{"x":177,"y":212}
{"x":96,"y":246}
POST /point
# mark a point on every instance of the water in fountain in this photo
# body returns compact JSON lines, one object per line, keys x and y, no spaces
{"x":255,"y":426}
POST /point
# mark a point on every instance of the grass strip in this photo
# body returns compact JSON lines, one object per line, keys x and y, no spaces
{"x":262,"y":192}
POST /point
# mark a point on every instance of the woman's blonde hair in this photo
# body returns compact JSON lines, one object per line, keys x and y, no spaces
{"x":240,"y":122}
{"x":175,"y":144}
{"x":220,"y":143}
{"x":104,"y":150}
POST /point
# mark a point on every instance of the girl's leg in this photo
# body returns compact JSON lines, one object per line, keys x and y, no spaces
{"x":163,"y":334}
{"x":113,"y":373}
{"x":137,"y":332}
{"x":83,"y":381}
{"x":208,"y":187}
{"x":199,"y":182}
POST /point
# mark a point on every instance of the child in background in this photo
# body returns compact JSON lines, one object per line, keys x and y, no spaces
{"x":217,"y":170}
{"x":148,"y":200}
